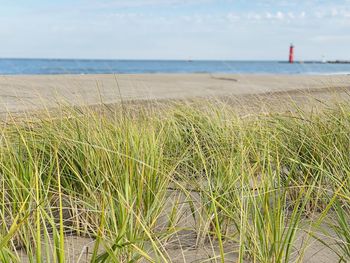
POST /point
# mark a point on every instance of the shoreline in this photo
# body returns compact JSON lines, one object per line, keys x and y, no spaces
{"x":151,"y":73}
{"x":20,"y":93}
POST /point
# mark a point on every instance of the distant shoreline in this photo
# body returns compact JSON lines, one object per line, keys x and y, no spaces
{"x":178,"y":60}
{"x":318,"y":62}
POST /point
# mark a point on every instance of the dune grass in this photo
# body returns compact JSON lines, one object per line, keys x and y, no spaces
{"x":133,"y":182}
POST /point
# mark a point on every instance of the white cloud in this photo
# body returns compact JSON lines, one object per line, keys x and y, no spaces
{"x":232,"y":17}
{"x":254,"y":16}
{"x":334,"y":13}
{"x":280,"y":15}
{"x":141,"y":3}
{"x":277,"y":16}
{"x":268,"y":15}
{"x":330,"y":38}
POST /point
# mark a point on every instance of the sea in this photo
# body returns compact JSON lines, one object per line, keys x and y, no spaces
{"x":93,"y":66}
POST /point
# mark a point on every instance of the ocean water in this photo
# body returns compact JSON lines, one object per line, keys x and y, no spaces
{"x":77,"y":66}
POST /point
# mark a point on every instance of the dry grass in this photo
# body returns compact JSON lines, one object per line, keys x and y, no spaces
{"x":136,"y":184}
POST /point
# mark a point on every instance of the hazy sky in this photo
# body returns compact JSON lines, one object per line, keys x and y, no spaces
{"x":175,"y":29}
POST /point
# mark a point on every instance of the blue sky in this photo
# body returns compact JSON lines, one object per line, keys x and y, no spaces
{"x":175,"y":29}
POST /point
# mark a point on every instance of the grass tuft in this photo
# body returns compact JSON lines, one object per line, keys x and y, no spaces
{"x":141,"y":185}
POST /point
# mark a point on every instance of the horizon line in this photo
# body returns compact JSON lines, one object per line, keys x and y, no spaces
{"x":163,"y":59}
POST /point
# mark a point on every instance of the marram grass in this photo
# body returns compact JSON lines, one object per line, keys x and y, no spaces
{"x":247,"y":187}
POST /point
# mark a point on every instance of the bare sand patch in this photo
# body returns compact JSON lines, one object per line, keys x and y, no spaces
{"x":33,"y":92}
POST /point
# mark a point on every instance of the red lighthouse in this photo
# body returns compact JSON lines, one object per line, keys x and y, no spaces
{"x":291,"y":54}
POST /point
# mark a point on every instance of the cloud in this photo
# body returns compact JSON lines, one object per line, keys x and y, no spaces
{"x":155,"y":29}
{"x":254,"y":16}
{"x":143,"y":3}
{"x":273,"y":16}
{"x":280,"y":15}
{"x":333,"y":13}
{"x":331,"y":38}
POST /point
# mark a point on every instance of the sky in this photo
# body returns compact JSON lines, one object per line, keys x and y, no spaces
{"x":175,"y":29}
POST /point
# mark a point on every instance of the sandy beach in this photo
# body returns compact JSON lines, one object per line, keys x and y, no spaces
{"x":250,"y":93}
{"x":32,"y":92}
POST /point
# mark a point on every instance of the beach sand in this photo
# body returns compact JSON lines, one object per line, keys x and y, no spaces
{"x":33,"y":92}
{"x":26,"y":93}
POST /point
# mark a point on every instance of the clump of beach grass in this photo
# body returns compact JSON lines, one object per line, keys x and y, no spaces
{"x":251,"y":186}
